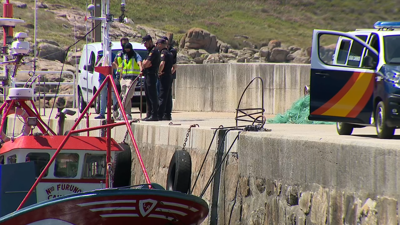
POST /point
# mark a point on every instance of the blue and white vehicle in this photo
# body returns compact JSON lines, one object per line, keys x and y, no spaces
{"x":357,"y":82}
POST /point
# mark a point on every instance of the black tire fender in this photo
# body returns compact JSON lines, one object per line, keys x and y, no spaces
{"x":180,"y":172}
{"x":123,"y":167}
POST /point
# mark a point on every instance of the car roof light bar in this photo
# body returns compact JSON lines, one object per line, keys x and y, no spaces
{"x":387,"y":24}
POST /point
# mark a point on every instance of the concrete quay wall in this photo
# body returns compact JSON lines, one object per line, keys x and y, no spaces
{"x":218,"y":87}
{"x":280,"y":177}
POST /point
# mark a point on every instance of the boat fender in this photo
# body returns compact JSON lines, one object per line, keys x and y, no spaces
{"x":180,"y":172}
{"x":25,"y":130}
{"x":123,"y":167}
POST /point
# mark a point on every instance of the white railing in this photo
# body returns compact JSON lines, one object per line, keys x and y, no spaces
{"x":37,"y":82}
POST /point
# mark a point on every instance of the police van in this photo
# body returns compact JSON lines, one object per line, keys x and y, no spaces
{"x":88,"y":80}
{"x":356,"y":81}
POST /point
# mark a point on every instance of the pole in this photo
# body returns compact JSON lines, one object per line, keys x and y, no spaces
{"x":35,"y":54}
{"x":7,"y":38}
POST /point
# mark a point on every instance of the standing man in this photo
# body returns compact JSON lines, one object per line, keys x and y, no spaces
{"x":131,"y":67}
{"x":103,"y":93}
{"x":150,"y":71}
{"x":164,"y":76}
{"x":117,"y":66}
{"x":168,"y":108}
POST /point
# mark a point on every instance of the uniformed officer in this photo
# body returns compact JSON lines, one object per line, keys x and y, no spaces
{"x":168,"y":108}
{"x":164,"y":76}
{"x":150,"y":71}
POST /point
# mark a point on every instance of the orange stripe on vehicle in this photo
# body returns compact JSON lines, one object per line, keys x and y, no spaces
{"x":325,"y":107}
{"x":344,"y":106}
{"x":364,"y":100}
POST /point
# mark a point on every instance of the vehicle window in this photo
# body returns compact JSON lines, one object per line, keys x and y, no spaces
{"x":343,"y":52}
{"x":392,"y":49}
{"x":349,"y":53}
{"x":370,"y":59}
{"x":94,"y":166}
{"x":12,"y":159}
{"x":92,"y":60}
{"x":362,"y":37}
{"x":374,"y":42}
{"x":66,"y":165}
{"x":40,"y":160}
{"x":1,"y":159}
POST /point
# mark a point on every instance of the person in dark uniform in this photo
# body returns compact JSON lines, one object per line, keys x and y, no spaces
{"x":168,"y":108}
{"x":150,"y":71}
{"x":164,"y":76}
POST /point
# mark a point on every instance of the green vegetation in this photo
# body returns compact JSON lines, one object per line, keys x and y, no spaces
{"x":290,"y":21}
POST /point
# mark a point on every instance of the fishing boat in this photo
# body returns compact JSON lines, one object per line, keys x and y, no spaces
{"x":83,"y":179}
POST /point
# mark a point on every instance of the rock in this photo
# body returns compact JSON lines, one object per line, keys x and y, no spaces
{"x":41,"y":5}
{"x":214,"y":58}
{"x":305,"y":202}
{"x":51,"y":52}
{"x":260,"y":185}
{"x":293,"y":49}
{"x":243,"y":59}
{"x":197,"y":38}
{"x":265,"y":53}
{"x":22,"y":5}
{"x":368,"y":212}
{"x":256,"y":56}
{"x":274,"y":44}
{"x":74,"y":57}
{"x":244,"y":186}
{"x":278,"y":55}
{"x":336,"y":208}
{"x":387,"y":210}
{"x":182,"y":59}
{"x":319,"y":207}
{"x":228,"y":55}
{"x":233,"y":52}
{"x":257,"y":217}
{"x":199,"y":60}
{"x":292,"y":195}
{"x":352,"y":204}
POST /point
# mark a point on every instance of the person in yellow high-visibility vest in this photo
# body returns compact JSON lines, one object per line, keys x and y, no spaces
{"x":130,"y":68}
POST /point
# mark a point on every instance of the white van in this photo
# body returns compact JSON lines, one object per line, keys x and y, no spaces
{"x":88,"y":80}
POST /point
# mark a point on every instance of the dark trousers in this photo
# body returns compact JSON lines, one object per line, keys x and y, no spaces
{"x":151,"y":94}
{"x":168,"y":107}
{"x":165,"y":91}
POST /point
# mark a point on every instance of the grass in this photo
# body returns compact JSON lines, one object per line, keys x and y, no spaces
{"x":290,"y":21}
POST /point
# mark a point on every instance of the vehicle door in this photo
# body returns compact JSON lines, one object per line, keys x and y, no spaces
{"x":342,"y":78}
{"x":89,"y":70}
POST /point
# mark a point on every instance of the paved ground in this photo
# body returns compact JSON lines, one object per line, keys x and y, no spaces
{"x":325,"y":133}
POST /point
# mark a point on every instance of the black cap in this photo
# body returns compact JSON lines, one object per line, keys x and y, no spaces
{"x":146,"y":38}
{"x":164,"y":37}
{"x":161,"y":41}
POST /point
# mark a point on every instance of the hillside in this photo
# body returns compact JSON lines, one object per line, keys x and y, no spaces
{"x":237,"y":23}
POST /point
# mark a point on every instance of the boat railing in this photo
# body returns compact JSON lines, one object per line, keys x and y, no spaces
{"x":37,"y":82}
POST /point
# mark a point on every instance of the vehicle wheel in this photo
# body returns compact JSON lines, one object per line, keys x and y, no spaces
{"x":123,"y":166}
{"x":144,"y":108}
{"x":382,"y":129}
{"x":179,"y":172}
{"x":97,"y":105}
{"x":81,"y":102}
{"x":344,"y":128}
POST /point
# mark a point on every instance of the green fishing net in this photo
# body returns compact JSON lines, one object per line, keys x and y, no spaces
{"x":297,"y":114}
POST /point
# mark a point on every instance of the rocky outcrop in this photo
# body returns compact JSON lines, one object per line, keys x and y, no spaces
{"x":51,"y":52}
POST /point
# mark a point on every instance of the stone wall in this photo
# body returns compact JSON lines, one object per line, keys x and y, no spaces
{"x":218,"y":87}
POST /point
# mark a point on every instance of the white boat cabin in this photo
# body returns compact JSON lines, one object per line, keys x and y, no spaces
{"x":79,"y":166}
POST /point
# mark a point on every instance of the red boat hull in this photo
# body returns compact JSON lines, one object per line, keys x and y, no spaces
{"x":113,"y":206}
